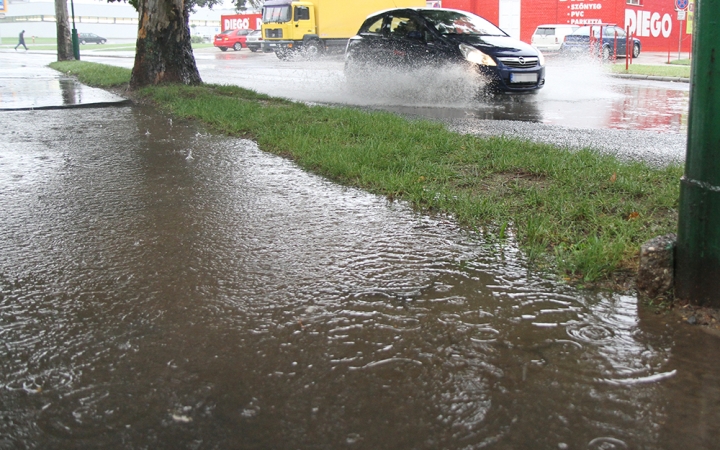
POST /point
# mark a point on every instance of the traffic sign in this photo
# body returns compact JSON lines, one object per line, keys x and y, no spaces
{"x":681,"y":4}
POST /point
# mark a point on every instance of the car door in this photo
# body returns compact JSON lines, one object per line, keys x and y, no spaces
{"x":406,"y":40}
{"x":621,"y":40}
{"x":371,"y":45}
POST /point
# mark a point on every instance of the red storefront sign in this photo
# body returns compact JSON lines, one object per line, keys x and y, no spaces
{"x":241,"y":21}
{"x":654,"y":22}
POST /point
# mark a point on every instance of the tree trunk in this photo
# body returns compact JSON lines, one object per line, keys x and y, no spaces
{"x":163,"y":50}
{"x":64,"y":40}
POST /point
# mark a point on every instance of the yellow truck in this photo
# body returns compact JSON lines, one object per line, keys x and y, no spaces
{"x":317,"y":26}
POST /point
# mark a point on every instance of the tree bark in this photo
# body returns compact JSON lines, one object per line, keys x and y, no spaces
{"x":163,"y":50}
{"x":64,"y":40}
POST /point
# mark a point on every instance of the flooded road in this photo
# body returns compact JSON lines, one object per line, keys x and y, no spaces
{"x":163,"y":287}
{"x":578,"y":94}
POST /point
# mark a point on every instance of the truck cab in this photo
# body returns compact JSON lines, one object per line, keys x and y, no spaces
{"x":290,"y":26}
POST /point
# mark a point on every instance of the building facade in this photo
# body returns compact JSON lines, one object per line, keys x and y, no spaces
{"x":657,"y":23}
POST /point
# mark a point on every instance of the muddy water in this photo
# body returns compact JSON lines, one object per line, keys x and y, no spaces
{"x":162,"y":287}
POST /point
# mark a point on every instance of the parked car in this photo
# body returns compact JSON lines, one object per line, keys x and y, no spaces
{"x":85,"y":38}
{"x":613,"y":42}
{"x":549,"y":38}
{"x":412,"y":37}
{"x":254,"y":40}
{"x":234,"y":39}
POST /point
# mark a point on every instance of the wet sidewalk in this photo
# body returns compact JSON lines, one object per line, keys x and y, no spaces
{"x":162,"y":286}
{"x":27,"y":83}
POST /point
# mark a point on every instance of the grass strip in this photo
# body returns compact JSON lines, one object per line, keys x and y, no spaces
{"x":581,"y":213}
{"x":93,"y":74}
{"x":681,"y":62}
{"x":675,"y":71}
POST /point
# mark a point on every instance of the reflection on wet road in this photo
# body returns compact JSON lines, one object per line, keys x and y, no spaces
{"x":162,"y":287}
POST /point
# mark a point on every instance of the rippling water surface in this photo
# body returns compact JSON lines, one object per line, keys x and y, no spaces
{"x":162,"y":287}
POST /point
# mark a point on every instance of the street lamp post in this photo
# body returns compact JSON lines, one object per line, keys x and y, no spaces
{"x":75,"y":43}
{"x":697,"y":257}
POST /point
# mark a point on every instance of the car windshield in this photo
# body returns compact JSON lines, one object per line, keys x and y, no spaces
{"x":455,"y":22}
{"x":276,"y":14}
{"x":585,"y":31}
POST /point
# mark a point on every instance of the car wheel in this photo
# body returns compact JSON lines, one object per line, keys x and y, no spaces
{"x":237,"y":47}
{"x":605,"y":53}
{"x":357,"y":73}
{"x":313,"y":49}
{"x":636,"y":50}
{"x":82,"y":42}
{"x":223,"y":49}
{"x":103,"y":41}
{"x":489,"y":91}
{"x":253,"y":49}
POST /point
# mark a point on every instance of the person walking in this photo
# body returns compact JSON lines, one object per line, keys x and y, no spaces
{"x":21,"y":40}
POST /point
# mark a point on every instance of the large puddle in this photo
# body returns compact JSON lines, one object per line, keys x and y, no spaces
{"x":163,"y":287}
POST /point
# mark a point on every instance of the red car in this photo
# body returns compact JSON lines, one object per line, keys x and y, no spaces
{"x":234,"y":39}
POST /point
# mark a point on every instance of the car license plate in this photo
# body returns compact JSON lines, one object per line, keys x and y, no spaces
{"x":523,"y":78}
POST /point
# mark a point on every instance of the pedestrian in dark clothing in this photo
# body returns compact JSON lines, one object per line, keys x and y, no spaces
{"x":21,"y":40}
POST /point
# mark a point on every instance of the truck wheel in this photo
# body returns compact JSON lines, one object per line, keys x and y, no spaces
{"x":282,"y":55}
{"x":313,"y":49}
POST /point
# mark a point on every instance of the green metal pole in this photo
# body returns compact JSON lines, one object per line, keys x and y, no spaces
{"x":75,"y":41}
{"x":697,"y":262}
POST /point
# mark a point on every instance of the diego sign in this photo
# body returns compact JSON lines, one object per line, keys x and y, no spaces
{"x":241,"y":21}
{"x":648,"y":23}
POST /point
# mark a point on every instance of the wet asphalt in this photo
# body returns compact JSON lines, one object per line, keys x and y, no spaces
{"x":27,"y":83}
{"x":164,"y":287}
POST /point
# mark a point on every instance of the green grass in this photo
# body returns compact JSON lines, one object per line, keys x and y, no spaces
{"x":94,"y":74}
{"x":654,"y":70}
{"x":579,"y":213}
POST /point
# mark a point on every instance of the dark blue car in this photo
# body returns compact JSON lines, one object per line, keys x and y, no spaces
{"x":613,"y":44}
{"x":422,"y":37}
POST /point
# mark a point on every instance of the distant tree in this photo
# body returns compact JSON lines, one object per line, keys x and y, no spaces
{"x":242,"y":5}
{"x":64,"y":40}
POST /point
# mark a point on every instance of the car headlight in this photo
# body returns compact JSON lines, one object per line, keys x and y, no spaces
{"x":541,"y":58}
{"x":476,"y":56}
